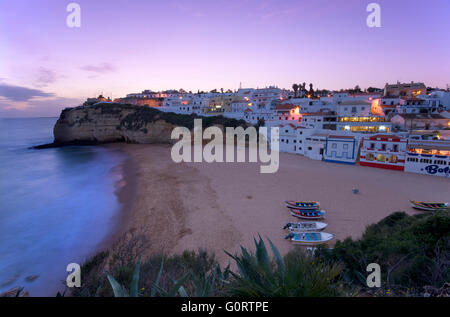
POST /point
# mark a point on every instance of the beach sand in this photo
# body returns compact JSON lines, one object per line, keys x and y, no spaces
{"x":220,"y":206}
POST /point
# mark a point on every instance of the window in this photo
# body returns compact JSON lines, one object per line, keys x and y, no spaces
{"x":345,"y":146}
{"x":383,"y":147}
{"x":334,"y":145}
{"x":395,"y":147}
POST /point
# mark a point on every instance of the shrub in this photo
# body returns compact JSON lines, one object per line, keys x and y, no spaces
{"x":297,"y":274}
{"x":413,"y":251}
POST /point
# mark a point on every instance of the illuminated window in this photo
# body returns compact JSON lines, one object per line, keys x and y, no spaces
{"x":381,"y":158}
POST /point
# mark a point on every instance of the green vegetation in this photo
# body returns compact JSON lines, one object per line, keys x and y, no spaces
{"x":141,"y":116}
{"x":413,"y":252}
{"x":297,"y":274}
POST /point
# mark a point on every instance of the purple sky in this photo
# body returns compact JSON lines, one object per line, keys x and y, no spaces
{"x":127,"y":46}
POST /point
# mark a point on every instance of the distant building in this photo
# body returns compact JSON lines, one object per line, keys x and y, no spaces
{"x":356,"y":116}
{"x":319,"y":120}
{"x":405,"y":90}
{"x":426,"y":121}
{"x":287,"y":113}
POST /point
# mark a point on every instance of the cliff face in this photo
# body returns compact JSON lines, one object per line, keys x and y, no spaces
{"x":109,"y":122}
{"x":105,"y":123}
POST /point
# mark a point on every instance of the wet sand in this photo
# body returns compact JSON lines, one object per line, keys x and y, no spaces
{"x":220,"y":206}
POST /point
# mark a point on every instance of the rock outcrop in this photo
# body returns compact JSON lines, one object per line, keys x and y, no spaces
{"x":113,"y":122}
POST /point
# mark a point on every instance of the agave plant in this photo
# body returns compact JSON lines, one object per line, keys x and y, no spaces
{"x":119,"y":290}
{"x":205,"y":285}
{"x":297,"y":274}
{"x":177,"y":287}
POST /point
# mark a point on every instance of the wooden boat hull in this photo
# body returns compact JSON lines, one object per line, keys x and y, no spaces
{"x":308,"y":214}
{"x":310,"y":238}
{"x":305,"y":226}
{"x":428,"y":206}
{"x":302,"y":204}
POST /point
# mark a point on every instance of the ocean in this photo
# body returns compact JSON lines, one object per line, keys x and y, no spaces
{"x":57,"y":206}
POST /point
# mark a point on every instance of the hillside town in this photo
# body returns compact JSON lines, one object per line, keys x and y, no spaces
{"x":405,"y":126}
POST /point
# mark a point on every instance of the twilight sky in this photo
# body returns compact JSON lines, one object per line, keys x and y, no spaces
{"x":126,"y":46}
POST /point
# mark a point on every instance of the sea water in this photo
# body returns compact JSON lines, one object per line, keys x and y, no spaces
{"x":57,"y":206}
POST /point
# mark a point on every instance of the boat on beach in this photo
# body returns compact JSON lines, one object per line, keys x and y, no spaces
{"x":311,"y":214}
{"x":309,"y":238}
{"x":305,"y":226}
{"x":428,"y":205}
{"x":302,"y":204}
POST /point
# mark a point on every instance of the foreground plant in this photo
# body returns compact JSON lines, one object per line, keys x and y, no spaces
{"x":412,"y":251}
{"x":297,"y":274}
{"x":119,"y":290}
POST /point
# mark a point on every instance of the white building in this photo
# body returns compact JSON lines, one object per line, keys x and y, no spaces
{"x":319,"y":120}
{"x":384,"y":151}
{"x":314,"y":145}
{"x":341,"y":149}
{"x":430,"y":157}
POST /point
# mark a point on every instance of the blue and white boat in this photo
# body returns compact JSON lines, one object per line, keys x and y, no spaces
{"x":312,"y":214}
{"x":309,"y":238}
{"x":305,"y":226}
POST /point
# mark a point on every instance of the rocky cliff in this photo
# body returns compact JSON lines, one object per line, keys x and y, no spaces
{"x":112,"y":122}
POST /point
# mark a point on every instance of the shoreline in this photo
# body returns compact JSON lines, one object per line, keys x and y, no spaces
{"x":169,"y":208}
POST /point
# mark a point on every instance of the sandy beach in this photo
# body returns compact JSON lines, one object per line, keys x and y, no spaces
{"x":220,"y":206}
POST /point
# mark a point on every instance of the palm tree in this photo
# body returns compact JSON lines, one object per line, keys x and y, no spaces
{"x":295,"y":87}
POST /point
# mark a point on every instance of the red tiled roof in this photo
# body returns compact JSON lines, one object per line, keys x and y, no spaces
{"x":386,"y":137}
{"x":341,"y":137}
{"x":291,"y":125}
{"x":285,"y":106}
{"x":316,"y":113}
{"x":412,"y":99}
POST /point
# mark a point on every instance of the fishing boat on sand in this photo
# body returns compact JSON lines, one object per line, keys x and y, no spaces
{"x":428,"y":206}
{"x":305,"y":226}
{"x":309,"y":238}
{"x":311,"y":214}
{"x":302,"y":204}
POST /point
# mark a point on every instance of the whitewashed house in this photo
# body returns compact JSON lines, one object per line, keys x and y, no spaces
{"x":314,"y":145}
{"x":341,"y":149}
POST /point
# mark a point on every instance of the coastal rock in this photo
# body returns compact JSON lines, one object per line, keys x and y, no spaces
{"x":15,"y":292}
{"x":31,"y":278}
{"x":114,"y":122}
